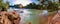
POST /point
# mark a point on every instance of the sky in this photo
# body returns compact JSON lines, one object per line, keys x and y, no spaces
{"x":23,"y":2}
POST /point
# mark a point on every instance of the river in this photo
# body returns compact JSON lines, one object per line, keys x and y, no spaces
{"x":29,"y":15}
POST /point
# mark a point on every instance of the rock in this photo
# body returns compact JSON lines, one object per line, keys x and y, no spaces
{"x":9,"y":18}
{"x":55,"y":19}
{"x":29,"y":23}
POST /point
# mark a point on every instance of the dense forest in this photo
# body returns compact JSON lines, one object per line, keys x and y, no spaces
{"x":50,"y":6}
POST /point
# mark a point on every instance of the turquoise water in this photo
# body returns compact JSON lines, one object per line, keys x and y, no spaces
{"x":33,"y":16}
{"x":29,"y":15}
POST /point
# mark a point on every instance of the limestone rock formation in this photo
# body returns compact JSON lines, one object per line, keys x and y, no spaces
{"x":9,"y":18}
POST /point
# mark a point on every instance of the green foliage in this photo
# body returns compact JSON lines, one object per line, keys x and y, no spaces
{"x":34,"y":6}
{"x":31,"y":5}
{"x":4,"y":5}
{"x":52,"y":7}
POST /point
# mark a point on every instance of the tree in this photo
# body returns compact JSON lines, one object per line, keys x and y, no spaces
{"x":52,"y":6}
{"x":59,"y":1}
{"x":31,"y":5}
{"x":3,"y":6}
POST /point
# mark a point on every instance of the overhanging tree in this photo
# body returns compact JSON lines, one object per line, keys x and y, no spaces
{"x":4,"y":6}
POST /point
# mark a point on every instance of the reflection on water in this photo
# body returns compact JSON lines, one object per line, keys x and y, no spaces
{"x":29,"y":15}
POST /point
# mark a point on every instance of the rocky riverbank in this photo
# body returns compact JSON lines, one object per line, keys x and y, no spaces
{"x":9,"y":18}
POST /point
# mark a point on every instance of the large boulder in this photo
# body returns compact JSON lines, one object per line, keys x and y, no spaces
{"x":9,"y":18}
{"x":55,"y":19}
